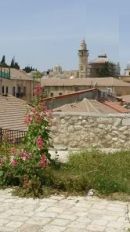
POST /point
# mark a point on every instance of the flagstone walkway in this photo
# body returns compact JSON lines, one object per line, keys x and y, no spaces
{"x":57,"y":214}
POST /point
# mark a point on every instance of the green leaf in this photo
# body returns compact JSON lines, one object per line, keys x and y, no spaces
{"x":1,"y":173}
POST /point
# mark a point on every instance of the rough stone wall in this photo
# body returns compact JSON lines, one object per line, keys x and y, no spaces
{"x":81,"y":130}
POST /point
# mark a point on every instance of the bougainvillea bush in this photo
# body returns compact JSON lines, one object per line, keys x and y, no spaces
{"x":25,"y":167}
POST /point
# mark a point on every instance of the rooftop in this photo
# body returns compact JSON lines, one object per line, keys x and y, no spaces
{"x":94,"y":81}
{"x":86,"y":105}
{"x":92,"y":106}
{"x":12,"y":112}
{"x":17,"y":74}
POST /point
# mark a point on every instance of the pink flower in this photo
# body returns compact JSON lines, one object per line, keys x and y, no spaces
{"x":14,"y":162}
{"x":24,"y":155}
{"x":38,"y":90}
{"x":43,"y":161}
{"x":28,"y":119}
{"x":39,"y":142}
{"x":37,"y":118}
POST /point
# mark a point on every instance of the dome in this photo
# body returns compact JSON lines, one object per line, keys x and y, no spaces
{"x":101,"y":59}
{"x":83,"y":45}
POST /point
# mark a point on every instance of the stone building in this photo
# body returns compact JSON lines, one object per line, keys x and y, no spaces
{"x":102,"y":67}
{"x":17,"y":83}
{"x":97,"y":64}
{"x":55,"y":87}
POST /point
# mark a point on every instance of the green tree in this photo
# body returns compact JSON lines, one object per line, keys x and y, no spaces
{"x":29,"y":69}
{"x":16,"y":65}
{"x":12,"y":63}
{"x":3,"y":62}
{"x":108,"y":69}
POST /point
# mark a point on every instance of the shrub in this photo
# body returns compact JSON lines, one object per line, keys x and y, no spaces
{"x":26,"y":167}
{"x":107,"y":173}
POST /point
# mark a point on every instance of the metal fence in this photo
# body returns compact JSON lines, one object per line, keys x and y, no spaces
{"x":11,"y":136}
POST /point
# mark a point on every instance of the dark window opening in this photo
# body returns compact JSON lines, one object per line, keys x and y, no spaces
{"x":24,"y":91}
{"x":3,"y":89}
{"x":18,"y":94}
{"x":6,"y":89}
{"x":52,"y":94}
{"x":13,"y":91}
{"x":60,"y":94}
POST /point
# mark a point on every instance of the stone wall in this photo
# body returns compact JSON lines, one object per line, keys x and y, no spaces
{"x":83,"y":130}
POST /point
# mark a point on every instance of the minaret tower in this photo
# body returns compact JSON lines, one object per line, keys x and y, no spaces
{"x":83,"y":60}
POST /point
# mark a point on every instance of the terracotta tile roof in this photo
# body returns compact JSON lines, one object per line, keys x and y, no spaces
{"x":106,"y":81}
{"x":70,"y":94}
{"x":86,"y":105}
{"x":12,"y":112}
{"x":117,"y":107}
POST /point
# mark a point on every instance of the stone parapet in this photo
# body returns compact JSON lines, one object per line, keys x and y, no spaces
{"x":90,"y":130}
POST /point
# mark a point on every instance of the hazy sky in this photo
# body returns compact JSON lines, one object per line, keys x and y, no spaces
{"x":44,"y":33}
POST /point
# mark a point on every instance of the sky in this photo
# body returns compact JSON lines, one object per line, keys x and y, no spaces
{"x":45,"y":33}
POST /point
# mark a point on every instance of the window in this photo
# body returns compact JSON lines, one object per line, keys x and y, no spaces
{"x":13,"y":91}
{"x":6,"y":89}
{"x":3,"y":89}
{"x":60,"y":94}
{"x":129,"y":73}
{"x":24,"y":91}
{"x":52,"y":94}
{"x":18,"y":94}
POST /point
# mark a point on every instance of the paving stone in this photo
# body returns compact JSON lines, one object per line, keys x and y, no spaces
{"x":52,"y":228}
{"x":57,"y":214}
{"x":60,"y":222}
{"x":14,"y":224}
{"x":96,"y":228}
{"x":29,"y":228}
{"x":39,"y":221}
{"x":75,"y":230}
{"x":6,"y":229}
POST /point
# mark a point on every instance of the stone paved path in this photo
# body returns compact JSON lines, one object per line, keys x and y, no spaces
{"x":57,"y":214}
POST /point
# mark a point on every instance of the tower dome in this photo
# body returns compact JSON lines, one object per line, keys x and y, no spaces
{"x":83,"y":45}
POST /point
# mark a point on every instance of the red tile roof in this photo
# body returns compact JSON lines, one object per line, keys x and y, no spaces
{"x":116,"y":107}
{"x":70,"y":94}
